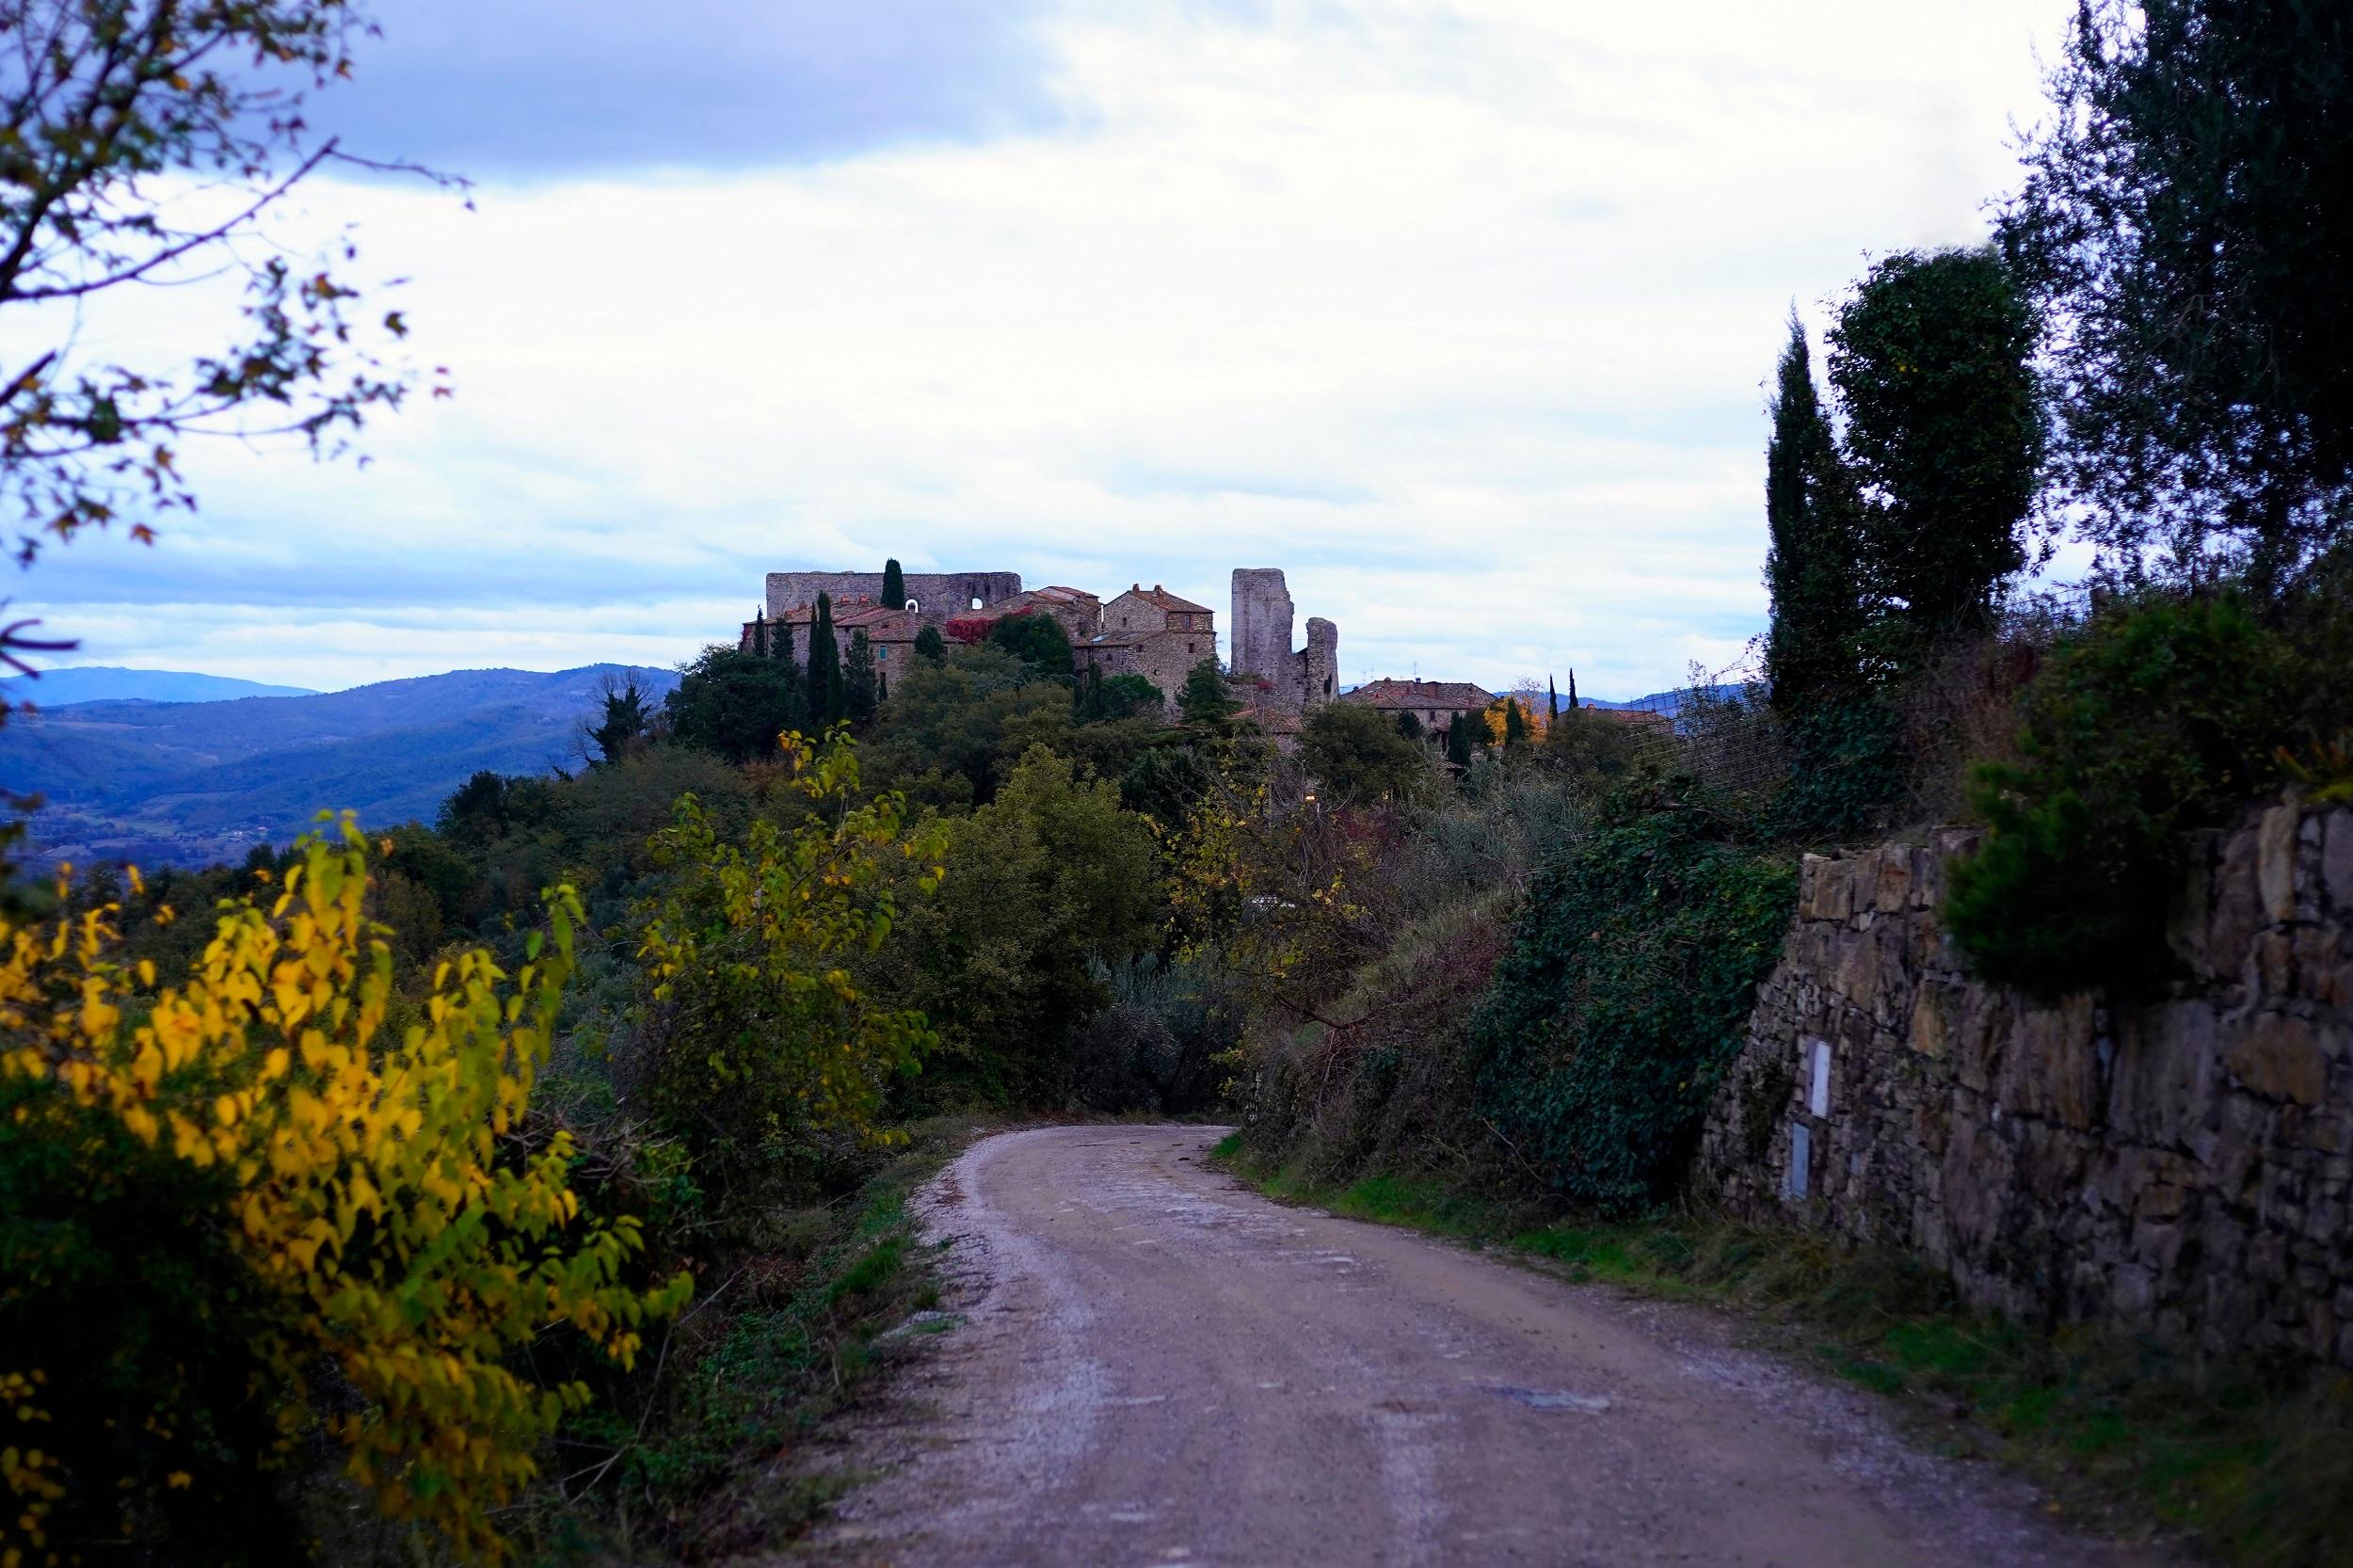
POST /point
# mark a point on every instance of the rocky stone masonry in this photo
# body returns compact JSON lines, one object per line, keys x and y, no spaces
{"x":2181,"y":1167}
{"x":1289,"y":679}
{"x":942,"y":595}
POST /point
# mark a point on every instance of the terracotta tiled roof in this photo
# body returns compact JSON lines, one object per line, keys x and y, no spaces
{"x":1160,"y":598}
{"x":1460,"y":696}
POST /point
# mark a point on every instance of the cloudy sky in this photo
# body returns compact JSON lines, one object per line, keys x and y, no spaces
{"x":1457,"y":310}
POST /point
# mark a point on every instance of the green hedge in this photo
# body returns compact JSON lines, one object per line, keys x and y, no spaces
{"x":1622,"y":998}
{"x":2157,"y":718}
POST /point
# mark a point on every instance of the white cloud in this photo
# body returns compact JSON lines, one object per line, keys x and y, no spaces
{"x":1459,"y":313}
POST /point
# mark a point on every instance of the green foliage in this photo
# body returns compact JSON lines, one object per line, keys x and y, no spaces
{"x":114,"y":1265}
{"x":1621,"y":1000}
{"x":1514,"y":726}
{"x":758,"y":1041}
{"x":1051,"y":876}
{"x":954,"y":730}
{"x":1038,"y":641}
{"x":734,"y":704}
{"x":1123,"y":697}
{"x":626,"y":718}
{"x":1944,"y":433}
{"x":1463,"y":737}
{"x":2184,"y":210}
{"x":861,"y":685}
{"x":1358,"y":755}
{"x":1847,"y":763}
{"x":825,"y":692}
{"x":930,"y":646}
{"x":2155,"y":719}
{"x":1156,"y":1044}
{"x":1204,"y":702}
{"x":1813,"y":564}
{"x":894,"y":586}
{"x":1590,"y":747}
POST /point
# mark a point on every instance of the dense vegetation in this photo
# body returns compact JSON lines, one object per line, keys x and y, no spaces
{"x":368,"y":1171}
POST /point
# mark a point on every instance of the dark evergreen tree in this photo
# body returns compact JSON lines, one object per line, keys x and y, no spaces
{"x":623,"y":722}
{"x":894,"y":589}
{"x":860,"y":680}
{"x":760,"y":632}
{"x":1204,"y":700}
{"x":2188,"y":214}
{"x":1515,"y":729}
{"x":1931,"y":358}
{"x":1458,"y":740}
{"x":1552,"y":701}
{"x":825,"y":696}
{"x":930,"y":645}
{"x":1572,"y":691}
{"x":1813,"y":648}
{"x":1407,"y":725}
{"x":1038,"y":641}
{"x":735,"y":704}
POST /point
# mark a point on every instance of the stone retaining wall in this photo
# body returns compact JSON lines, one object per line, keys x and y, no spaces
{"x":2182,"y":1167}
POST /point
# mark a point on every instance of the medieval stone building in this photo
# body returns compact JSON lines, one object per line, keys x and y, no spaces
{"x":1434,"y":704}
{"x":1285,"y":679}
{"x":1147,"y":631}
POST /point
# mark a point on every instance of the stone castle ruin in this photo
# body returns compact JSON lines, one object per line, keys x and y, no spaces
{"x":1147,"y":631}
{"x":1288,"y":681}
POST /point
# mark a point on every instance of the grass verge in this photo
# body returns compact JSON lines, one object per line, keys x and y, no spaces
{"x":2125,"y":1435}
{"x":711,"y":1457}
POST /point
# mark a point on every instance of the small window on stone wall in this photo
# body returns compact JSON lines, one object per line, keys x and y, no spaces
{"x":1817,"y":1087}
{"x":976,"y":601}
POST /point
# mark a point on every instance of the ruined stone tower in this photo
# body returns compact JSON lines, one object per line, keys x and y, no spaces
{"x":1290,"y":679}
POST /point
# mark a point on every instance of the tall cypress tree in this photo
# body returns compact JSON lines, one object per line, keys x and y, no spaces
{"x":894,"y":592}
{"x":1813,"y":646}
{"x":760,"y":632}
{"x":1552,"y":700}
{"x":1572,"y":691}
{"x":1515,"y":732}
{"x":1458,"y":740}
{"x":860,"y":678}
{"x":826,"y":696}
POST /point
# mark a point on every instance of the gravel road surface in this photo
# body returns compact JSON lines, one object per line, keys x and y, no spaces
{"x":1150,"y":1364}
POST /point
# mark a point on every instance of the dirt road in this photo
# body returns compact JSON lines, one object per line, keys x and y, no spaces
{"x":1156,"y":1365}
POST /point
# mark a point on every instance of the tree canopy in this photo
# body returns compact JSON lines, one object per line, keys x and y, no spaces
{"x":2188,"y":218}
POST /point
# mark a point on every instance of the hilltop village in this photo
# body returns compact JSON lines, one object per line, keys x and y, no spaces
{"x":1146,"y":631}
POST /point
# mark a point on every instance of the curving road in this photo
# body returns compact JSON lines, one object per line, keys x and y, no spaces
{"x":1153,"y":1365}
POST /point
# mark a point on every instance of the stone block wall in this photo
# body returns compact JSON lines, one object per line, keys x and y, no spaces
{"x":941,"y":594}
{"x":2183,"y":1166}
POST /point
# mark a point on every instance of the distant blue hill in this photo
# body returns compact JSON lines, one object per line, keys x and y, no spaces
{"x":189,"y":783}
{"x":59,"y":688}
{"x":1664,"y":702}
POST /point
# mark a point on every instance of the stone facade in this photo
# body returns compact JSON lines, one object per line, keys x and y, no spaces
{"x":937,"y":594}
{"x":1154,"y":634}
{"x":1286,"y":680}
{"x":2183,"y":1167}
{"x":1434,"y":704}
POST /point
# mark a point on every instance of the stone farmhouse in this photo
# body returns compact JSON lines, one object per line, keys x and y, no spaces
{"x":1147,"y":631}
{"x":1434,"y":704}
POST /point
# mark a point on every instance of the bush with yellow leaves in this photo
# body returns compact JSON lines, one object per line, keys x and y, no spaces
{"x":758,"y":1039}
{"x":234,"y":1216}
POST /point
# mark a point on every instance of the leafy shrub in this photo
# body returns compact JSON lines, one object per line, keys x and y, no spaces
{"x":1630,"y":972}
{"x":1846,"y":766}
{"x":1050,"y":876}
{"x":1154,"y":1044}
{"x":2158,"y":716}
{"x":347,"y":1207}
{"x":758,"y":1038}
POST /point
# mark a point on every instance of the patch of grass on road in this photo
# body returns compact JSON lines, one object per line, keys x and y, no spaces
{"x":2124,"y":1435}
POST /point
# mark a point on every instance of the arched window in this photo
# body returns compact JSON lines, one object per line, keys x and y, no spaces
{"x":976,"y":601}
{"x":914,"y":607}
